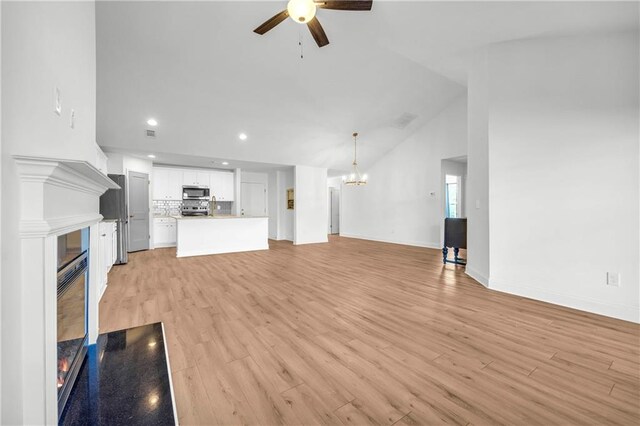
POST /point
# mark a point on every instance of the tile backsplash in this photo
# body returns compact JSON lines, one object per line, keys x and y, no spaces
{"x":173,"y":207}
{"x":224,"y":207}
{"x":166,"y":207}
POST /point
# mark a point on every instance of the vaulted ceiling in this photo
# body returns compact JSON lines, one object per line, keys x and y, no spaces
{"x":200,"y":71}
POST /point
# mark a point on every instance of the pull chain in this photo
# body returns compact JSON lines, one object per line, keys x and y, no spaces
{"x":300,"y":43}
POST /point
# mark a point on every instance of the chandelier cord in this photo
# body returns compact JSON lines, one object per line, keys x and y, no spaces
{"x":355,"y":150}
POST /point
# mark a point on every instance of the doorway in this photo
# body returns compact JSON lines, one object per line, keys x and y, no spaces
{"x":454,"y":181}
{"x":138,"y":211}
{"x":334,"y":211}
{"x":253,"y":199}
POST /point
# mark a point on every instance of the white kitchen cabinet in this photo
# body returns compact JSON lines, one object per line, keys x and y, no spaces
{"x":167,"y":184}
{"x":228,"y":186}
{"x":222,"y":185}
{"x":160,"y":181}
{"x":196,"y":178}
{"x":108,"y":251}
{"x":114,"y":244}
{"x":164,"y":232}
{"x":215,"y":180}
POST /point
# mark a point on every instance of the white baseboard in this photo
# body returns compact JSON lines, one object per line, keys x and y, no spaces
{"x":164,"y":245}
{"x":297,"y":243}
{"x":477,"y":276}
{"x":190,"y":253}
{"x":414,"y":243}
{"x":102,"y":290}
{"x":614,"y":310}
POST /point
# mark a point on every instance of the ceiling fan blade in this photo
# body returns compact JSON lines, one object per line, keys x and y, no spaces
{"x":318,"y":32}
{"x":271,"y":22}
{"x":345,"y":4}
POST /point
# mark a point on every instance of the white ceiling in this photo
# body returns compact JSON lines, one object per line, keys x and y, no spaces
{"x":199,"y":161}
{"x":205,"y":76}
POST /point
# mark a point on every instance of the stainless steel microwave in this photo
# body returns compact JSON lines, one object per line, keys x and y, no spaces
{"x":196,"y":193}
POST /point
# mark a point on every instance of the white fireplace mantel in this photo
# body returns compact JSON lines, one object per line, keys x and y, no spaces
{"x":57,"y":196}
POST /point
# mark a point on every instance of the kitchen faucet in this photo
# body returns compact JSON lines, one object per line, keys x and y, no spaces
{"x":214,"y":202}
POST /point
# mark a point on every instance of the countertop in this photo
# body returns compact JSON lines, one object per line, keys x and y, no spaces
{"x":216,"y":217}
{"x":124,"y":380}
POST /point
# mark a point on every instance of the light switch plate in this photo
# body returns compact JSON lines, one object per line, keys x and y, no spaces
{"x":477,"y":204}
{"x":57,"y":101}
{"x":72,"y":119}
{"x":613,"y":279}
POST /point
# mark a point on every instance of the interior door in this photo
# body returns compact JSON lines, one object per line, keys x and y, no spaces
{"x":335,"y":211}
{"x":138,"y":211}
{"x":254,"y":199}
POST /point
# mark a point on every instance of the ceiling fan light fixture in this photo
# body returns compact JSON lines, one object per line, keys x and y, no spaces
{"x":301,"y":11}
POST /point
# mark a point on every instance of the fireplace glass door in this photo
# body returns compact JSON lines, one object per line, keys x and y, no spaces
{"x":71,"y":309}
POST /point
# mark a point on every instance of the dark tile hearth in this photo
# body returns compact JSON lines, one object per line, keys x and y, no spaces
{"x":124,"y":381}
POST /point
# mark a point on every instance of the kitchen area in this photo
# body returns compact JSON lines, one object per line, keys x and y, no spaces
{"x":196,"y":211}
{"x":192,"y":206}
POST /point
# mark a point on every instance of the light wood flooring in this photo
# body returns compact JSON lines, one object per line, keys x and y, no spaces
{"x":359,"y":332}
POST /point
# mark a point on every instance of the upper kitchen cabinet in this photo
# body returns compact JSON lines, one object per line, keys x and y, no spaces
{"x":192,"y":177}
{"x":222,"y":185}
{"x":167,"y":184}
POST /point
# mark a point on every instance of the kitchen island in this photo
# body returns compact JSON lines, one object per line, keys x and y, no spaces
{"x":202,"y":235}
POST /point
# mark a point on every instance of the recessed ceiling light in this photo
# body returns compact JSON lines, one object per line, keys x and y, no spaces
{"x":152,"y":122}
{"x":151,"y":156}
{"x":243,"y":136}
{"x":225,"y":163}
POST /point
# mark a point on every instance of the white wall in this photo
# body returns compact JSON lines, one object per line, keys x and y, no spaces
{"x":280,"y":218}
{"x":310,"y":208}
{"x":478,"y":170}
{"x":333,"y":182}
{"x":44,"y":45}
{"x":272,"y":204}
{"x":286,"y":217}
{"x":0,"y":210}
{"x":395,"y":206}
{"x":255,"y":177}
{"x":563,"y":167}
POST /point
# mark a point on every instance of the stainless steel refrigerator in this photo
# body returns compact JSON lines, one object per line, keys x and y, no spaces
{"x":113,"y":205}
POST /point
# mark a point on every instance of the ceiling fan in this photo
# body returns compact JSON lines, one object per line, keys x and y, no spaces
{"x":304,"y":11}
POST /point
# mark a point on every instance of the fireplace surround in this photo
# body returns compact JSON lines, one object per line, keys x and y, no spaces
{"x":57,"y":197}
{"x":71,"y":315}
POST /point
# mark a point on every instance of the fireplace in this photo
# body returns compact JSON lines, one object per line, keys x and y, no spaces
{"x":71,"y":315}
{"x":59,"y":234}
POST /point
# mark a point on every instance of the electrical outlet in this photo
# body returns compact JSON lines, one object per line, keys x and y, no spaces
{"x":72,"y":119}
{"x":613,"y":279}
{"x":57,"y":101}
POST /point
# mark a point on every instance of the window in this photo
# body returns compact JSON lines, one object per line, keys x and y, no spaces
{"x":452,"y":194}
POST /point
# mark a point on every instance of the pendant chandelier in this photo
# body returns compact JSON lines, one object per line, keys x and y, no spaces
{"x":355,"y":178}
